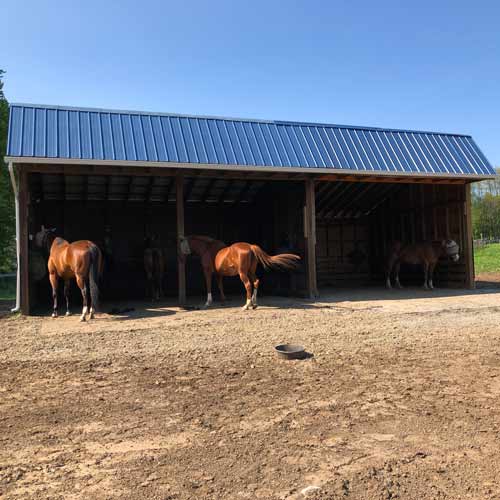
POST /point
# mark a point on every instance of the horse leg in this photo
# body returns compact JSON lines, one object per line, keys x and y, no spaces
{"x":208,"y":281}
{"x":221,"y":288}
{"x":388,"y":271}
{"x":54,"y":281}
{"x":255,"y":282}
{"x":431,"y":275}
{"x":248,"y":287}
{"x":82,"y":285}
{"x":66,"y":295}
{"x":397,"y":267}
{"x":426,"y":275}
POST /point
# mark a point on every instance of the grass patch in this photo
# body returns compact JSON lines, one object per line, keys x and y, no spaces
{"x":487,"y":259}
{"x":8,"y":288}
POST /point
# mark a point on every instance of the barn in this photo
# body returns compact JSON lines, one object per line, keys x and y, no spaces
{"x":336,"y":195}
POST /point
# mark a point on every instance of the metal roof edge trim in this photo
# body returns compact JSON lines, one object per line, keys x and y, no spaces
{"x":228,"y":118}
{"x":211,"y":166}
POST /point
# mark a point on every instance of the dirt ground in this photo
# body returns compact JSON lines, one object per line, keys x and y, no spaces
{"x":401,"y":399}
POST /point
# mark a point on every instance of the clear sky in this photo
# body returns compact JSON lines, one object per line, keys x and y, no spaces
{"x":428,"y":65}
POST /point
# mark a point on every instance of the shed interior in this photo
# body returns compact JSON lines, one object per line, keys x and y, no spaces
{"x":355,"y":223}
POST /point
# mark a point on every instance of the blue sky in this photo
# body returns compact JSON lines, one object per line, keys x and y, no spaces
{"x":429,"y":65}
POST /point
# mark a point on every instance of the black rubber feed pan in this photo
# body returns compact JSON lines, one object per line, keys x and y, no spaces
{"x":290,"y":351}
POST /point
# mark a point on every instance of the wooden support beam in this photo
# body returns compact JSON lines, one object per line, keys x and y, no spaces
{"x":310,"y":235}
{"x":388,"y":179}
{"x":80,"y":169}
{"x":24,"y":238}
{"x":468,"y":241}
{"x":181,"y":266}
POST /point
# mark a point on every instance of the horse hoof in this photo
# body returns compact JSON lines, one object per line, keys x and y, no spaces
{"x":68,"y":313}
{"x":254,"y":306}
{"x":82,"y":319}
{"x":54,"y":315}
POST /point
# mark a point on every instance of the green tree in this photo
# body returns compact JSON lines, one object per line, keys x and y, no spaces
{"x":7,"y":217}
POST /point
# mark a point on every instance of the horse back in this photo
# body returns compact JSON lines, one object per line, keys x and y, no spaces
{"x":70,"y":259}
{"x":418,"y":253}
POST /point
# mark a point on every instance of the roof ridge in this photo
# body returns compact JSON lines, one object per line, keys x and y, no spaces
{"x":233,"y":119}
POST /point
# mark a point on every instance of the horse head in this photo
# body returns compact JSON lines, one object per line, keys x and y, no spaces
{"x":184,"y":247}
{"x":45,"y":237}
{"x":451,"y":249}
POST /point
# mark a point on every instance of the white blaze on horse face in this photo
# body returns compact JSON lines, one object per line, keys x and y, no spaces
{"x":185,"y":248}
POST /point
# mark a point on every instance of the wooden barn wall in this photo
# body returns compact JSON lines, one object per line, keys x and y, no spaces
{"x":342,"y":252}
{"x":353,"y":251}
{"x":273,"y":221}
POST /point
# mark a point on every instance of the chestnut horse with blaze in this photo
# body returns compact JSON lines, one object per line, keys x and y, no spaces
{"x":238,"y":259}
{"x":81,"y":260}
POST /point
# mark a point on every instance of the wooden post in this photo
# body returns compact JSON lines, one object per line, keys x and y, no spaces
{"x":24,"y":237}
{"x":181,"y":267}
{"x":468,"y":241}
{"x":310,"y":234}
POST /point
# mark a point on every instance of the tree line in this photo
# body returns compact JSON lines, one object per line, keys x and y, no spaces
{"x":7,"y":217}
{"x":486,"y":209}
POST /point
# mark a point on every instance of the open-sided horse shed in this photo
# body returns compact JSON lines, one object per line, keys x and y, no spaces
{"x":337,"y":195}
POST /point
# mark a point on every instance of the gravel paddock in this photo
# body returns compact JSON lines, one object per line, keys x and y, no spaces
{"x":401,"y":399}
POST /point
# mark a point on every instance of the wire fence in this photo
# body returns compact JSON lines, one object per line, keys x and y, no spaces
{"x":483,"y":242}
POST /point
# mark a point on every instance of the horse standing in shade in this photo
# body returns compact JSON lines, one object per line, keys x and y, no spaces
{"x":426,"y":254}
{"x":81,"y":260}
{"x":154,"y":266}
{"x":239,"y":259}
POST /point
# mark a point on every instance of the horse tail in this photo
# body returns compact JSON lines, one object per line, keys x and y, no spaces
{"x":94,"y":273}
{"x":283,"y":260}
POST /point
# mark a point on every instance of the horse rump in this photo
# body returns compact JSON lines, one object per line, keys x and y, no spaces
{"x":280,"y":261}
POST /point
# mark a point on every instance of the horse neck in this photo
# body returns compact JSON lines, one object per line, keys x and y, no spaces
{"x":55,"y":242}
{"x":198,"y":245}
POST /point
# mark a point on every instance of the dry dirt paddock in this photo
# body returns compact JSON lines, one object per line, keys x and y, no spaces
{"x":400,"y":400}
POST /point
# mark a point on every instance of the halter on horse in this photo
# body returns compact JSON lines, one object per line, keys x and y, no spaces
{"x":81,"y":260}
{"x":426,"y":254}
{"x":239,"y":259}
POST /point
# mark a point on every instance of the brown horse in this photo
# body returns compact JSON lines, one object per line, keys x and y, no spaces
{"x":154,"y":266}
{"x":239,"y":259}
{"x":81,"y":260}
{"x":426,"y":254}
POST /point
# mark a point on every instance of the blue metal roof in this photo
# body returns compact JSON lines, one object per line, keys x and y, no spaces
{"x":92,"y":134}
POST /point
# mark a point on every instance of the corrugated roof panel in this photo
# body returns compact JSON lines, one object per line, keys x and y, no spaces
{"x":91,"y":134}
